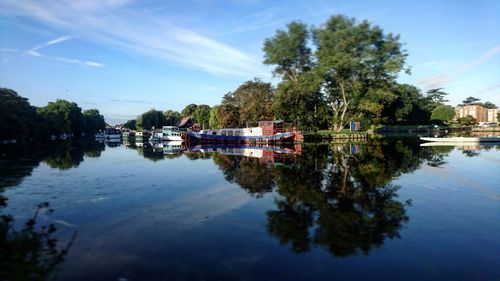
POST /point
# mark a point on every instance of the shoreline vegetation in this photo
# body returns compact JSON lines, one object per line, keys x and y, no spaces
{"x":329,"y":76}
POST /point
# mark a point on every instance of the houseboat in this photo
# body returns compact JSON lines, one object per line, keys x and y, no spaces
{"x":109,"y":134}
{"x":266,"y":132}
{"x":462,"y":139}
{"x":172,"y":133}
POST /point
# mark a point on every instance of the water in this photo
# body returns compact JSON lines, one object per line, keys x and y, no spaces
{"x":388,"y":210}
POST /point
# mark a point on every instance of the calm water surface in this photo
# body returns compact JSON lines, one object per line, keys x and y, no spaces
{"x":390,"y":210}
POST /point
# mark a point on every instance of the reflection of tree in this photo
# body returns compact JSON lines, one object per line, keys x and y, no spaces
{"x":437,"y":154}
{"x":347,"y":205}
{"x":251,"y":174}
{"x":470,"y":153}
{"x":30,"y":253}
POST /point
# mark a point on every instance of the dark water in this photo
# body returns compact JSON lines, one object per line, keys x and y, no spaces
{"x":386,"y":210}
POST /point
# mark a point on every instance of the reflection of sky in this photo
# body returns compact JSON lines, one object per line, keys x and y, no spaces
{"x":181,"y":218}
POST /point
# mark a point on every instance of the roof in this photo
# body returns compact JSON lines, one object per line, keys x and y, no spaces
{"x":183,"y":122}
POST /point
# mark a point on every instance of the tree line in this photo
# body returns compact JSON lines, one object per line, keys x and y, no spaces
{"x":20,"y":120}
{"x":344,"y":70}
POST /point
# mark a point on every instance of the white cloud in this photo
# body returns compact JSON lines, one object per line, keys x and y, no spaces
{"x":486,"y":56}
{"x":435,"y":81}
{"x":110,"y":22}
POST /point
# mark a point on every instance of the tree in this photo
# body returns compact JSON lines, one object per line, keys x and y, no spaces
{"x":358,"y":63}
{"x":436,"y":97}
{"x":172,"y":117}
{"x":62,"y":116}
{"x":229,"y":112}
{"x":130,"y":124}
{"x":298,"y":97}
{"x":408,"y":107}
{"x":202,"y":115}
{"x":489,"y":105}
{"x":152,"y":118}
{"x":288,"y":50}
{"x":254,"y":100}
{"x":189,"y":110}
{"x":215,"y":121}
{"x":470,"y":101}
{"x":94,"y":121}
{"x":18,"y":119}
{"x":467,"y":121}
{"x":443,"y":113}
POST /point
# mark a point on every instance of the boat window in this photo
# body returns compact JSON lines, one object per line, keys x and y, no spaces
{"x":223,"y":132}
{"x":214,"y":133}
{"x":230,"y":132}
{"x":237,"y":132}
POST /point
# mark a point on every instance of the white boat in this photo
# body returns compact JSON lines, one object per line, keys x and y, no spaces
{"x":171,"y":133}
{"x":109,"y":134}
{"x":461,"y":139}
{"x":172,"y":147}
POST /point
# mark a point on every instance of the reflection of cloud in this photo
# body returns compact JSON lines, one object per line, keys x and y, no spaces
{"x":436,"y":81}
{"x":488,"y":55}
{"x":110,"y":22}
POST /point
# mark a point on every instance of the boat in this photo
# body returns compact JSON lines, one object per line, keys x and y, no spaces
{"x":142,"y":135}
{"x":266,"y":132}
{"x":461,"y":139}
{"x":172,"y":133}
{"x":109,"y":134}
{"x":172,"y":147}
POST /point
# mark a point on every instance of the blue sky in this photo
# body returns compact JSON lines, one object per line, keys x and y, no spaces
{"x":124,"y":57}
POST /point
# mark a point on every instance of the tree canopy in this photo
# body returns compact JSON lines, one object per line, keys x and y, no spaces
{"x":443,"y":113}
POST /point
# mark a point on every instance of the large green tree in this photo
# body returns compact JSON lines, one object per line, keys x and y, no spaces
{"x":63,"y":116}
{"x":358,"y":63}
{"x":152,"y":118}
{"x":470,"y":101}
{"x":254,"y":101}
{"x":18,"y":119}
{"x":298,"y":97}
{"x":94,"y":121}
{"x":215,"y":121}
{"x":436,"y":97}
{"x":172,"y":117}
{"x":443,"y":113}
{"x":408,"y":107}
{"x":202,"y":115}
{"x":189,"y":110}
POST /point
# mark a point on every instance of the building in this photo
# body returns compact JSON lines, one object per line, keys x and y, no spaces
{"x":481,"y":114}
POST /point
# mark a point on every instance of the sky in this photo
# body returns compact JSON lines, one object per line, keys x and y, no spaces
{"x":125,"y":57}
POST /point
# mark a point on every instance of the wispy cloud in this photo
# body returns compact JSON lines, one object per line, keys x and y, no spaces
{"x":489,"y":89}
{"x":435,"y":81}
{"x":444,"y":77}
{"x":35,"y":52}
{"x":110,"y":22}
{"x":486,"y":56}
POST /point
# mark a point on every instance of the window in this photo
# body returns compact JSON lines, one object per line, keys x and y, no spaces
{"x":230,"y":132}
{"x":223,"y":132}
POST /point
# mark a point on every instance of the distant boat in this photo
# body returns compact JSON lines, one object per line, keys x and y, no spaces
{"x":109,"y":134}
{"x":461,"y":139}
{"x":266,"y":132}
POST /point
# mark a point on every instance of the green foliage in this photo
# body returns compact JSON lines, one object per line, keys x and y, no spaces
{"x":189,"y":110}
{"x":152,"y":118}
{"x":172,"y":117}
{"x":62,"y":116}
{"x":202,"y":115}
{"x":30,"y":253}
{"x":489,"y":105}
{"x":301,"y":102}
{"x":131,"y":124}
{"x":467,"y":121}
{"x":17,"y":117}
{"x":254,"y":100}
{"x":215,"y":121}
{"x":288,"y":50}
{"x":94,"y":121}
{"x":358,"y":63}
{"x":435,"y":98}
{"x":409,"y":106}
{"x":443,"y":113}
{"x":470,"y":101}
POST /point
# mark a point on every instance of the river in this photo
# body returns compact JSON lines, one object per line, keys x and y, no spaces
{"x":388,"y":209}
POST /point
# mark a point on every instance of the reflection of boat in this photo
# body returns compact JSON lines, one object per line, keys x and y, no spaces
{"x":267,"y":131}
{"x":266,"y":153}
{"x":461,"y":139}
{"x":142,"y":135}
{"x":172,"y":147}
